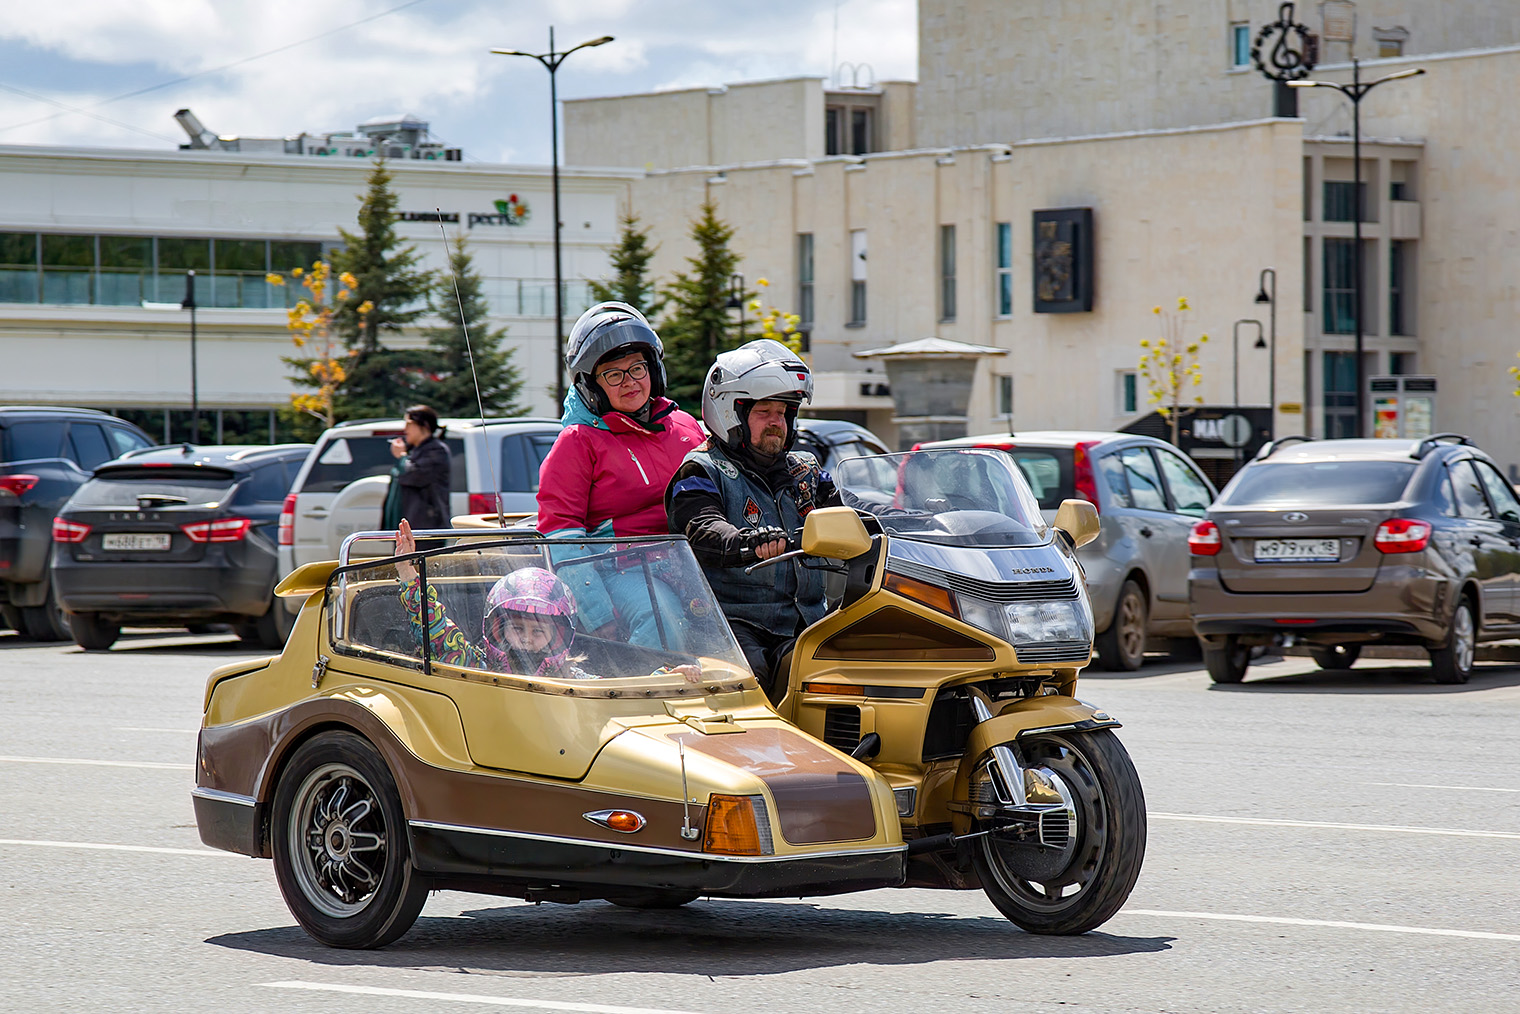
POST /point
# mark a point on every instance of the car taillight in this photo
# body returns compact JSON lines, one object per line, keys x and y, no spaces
{"x":1402,"y":535}
{"x":1083,"y":480}
{"x":69,"y":531}
{"x":17,"y":482}
{"x":482,"y":503}
{"x":285,"y":535}
{"x":225,"y":530}
{"x":1203,"y":540}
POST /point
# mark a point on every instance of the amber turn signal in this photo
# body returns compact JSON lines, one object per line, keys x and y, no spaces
{"x":922,"y":592}
{"x":731,"y":826}
{"x":838,"y":689}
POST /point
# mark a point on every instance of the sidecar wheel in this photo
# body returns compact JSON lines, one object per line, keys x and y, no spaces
{"x":340,"y":845}
{"x":656,"y":899}
{"x":1078,"y":888}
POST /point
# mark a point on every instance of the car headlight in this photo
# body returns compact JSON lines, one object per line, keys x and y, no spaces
{"x":1031,"y":622}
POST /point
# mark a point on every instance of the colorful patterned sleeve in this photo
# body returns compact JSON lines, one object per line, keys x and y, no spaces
{"x":446,"y":641}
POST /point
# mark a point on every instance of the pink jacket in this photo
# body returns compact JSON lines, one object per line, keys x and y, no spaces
{"x":606,"y":475}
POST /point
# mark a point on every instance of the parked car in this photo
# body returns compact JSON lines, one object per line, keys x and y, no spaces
{"x":833,"y":440}
{"x":1148,"y":496}
{"x":340,"y":489}
{"x":45,"y":455}
{"x":1337,"y":544}
{"x":175,"y":536}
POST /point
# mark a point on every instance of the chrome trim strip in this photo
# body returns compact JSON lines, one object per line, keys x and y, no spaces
{"x":706,"y":857}
{"x":222,"y":796}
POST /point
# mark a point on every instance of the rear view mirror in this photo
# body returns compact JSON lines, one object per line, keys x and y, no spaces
{"x":836,"y":533}
{"x":1079,"y":520}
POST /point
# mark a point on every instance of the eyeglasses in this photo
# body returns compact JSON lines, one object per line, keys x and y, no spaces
{"x":614,"y":378}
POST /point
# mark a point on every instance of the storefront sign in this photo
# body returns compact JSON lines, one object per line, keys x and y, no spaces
{"x":512,"y":211}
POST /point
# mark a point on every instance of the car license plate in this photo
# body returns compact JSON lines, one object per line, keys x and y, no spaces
{"x":1298,"y":550}
{"x":133,"y":542}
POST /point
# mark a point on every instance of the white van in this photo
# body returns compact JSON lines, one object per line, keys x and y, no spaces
{"x":341,"y":487}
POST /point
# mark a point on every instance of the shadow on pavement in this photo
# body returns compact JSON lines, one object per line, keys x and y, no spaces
{"x":153,"y":642}
{"x":1371,"y":678}
{"x":716,"y":937}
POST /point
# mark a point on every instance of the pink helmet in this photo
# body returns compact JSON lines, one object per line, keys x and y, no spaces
{"x":531,"y":591}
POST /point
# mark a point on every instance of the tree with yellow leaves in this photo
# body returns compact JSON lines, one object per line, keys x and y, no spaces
{"x":310,"y":325}
{"x":776,"y":323}
{"x":1169,"y":364}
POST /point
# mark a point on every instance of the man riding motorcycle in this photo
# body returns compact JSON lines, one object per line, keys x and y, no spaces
{"x":739,"y":496}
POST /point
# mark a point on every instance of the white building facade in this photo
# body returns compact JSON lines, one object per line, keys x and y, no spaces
{"x":95,"y":245}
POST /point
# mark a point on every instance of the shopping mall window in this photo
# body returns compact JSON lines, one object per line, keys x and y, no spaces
{"x":805,"y":279}
{"x":1004,"y":269}
{"x":1240,"y":44}
{"x":947,"y":272}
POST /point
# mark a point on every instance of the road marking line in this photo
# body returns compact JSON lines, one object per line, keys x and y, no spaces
{"x":496,"y":1001}
{"x":1454,"y":788}
{"x":1454,"y":831}
{"x":1327,"y":923}
{"x":106,"y":846}
{"x":98,"y":763}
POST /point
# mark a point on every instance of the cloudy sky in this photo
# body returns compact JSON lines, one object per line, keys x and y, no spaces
{"x":111,"y":73}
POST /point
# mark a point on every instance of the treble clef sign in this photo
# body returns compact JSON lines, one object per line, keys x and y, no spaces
{"x":1289,"y":63}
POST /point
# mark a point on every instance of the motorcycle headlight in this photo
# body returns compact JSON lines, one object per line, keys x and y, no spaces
{"x":1031,"y":622}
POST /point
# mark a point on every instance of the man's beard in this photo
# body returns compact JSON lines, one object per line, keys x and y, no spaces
{"x":770,"y":443}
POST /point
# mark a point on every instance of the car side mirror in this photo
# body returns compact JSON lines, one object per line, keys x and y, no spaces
{"x":836,"y":533}
{"x":1078,"y":520}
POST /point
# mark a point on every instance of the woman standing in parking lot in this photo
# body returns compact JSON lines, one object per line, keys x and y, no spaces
{"x":419,"y":490}
{"x":607,"y":472}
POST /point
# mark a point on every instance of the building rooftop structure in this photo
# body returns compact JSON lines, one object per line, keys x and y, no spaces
{"x":401,"y":135}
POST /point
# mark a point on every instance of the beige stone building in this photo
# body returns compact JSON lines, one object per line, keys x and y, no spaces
{"x":1156,"y":122}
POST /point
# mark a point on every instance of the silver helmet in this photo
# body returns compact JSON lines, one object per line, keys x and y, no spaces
{"x":758,"y":371}
{"x":605,"y":329}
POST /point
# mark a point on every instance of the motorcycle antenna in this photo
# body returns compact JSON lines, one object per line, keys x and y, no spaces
{"x":474,"y":377}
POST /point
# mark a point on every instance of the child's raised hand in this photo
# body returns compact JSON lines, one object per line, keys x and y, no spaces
{"x":405,"y":543}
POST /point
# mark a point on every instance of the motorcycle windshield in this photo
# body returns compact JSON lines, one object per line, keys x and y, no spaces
{"x":956,"y":496}
{"x":540,"y":609}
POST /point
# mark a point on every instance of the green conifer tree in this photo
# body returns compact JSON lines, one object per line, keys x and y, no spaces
{"x":390,"y":293}
{"x":450,"y":384}
{"x":699,"y":323}
{"x":630,"y":282}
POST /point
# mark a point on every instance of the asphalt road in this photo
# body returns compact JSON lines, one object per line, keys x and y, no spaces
{"x":1318,"y":842}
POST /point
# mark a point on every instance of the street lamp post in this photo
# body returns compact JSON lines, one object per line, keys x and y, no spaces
{"x":1264,"y":295}
{"x":195,"y":400}
{"x":1261,"y":343}
{"x":551,"y":61}
{"x":1356,"y":91}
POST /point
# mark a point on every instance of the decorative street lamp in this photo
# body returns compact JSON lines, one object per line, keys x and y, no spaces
{"x":551,"y":61}
{"x":1263,"y":295}
{"x":1235,"y":343}
{"x":195,"y":400}
{"x":1356,"y":91}
{"x":735,"y":301}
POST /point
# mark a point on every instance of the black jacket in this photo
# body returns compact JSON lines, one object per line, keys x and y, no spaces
{"x":424,"y":482}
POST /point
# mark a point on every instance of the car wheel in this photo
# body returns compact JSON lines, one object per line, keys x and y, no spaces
{"x":273,"y":628}
{"x":340,"y":845}
{"x":47,"y":622}
{"x":1121,"y":648}
{"x":92,"y":633}
{"x":1453,"y":662}
{"x":1228,"y":663}
{"x":1335,"y":656}
{"x":11,"y":617}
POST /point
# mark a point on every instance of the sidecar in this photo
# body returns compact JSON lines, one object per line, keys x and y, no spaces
{"x":379,"y":756}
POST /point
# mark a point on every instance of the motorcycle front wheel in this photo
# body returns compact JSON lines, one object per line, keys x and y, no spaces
{"x":1080,"y":886}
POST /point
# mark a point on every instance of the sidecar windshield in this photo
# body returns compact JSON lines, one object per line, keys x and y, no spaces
{"x":970,"y":496}
{"x":539,"y":609}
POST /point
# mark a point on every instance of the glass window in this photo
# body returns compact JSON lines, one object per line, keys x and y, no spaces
{"x":947,"y":272}
{"x":860,"y":131}
{"x":1048,"y":473}
{"x":183,"y":254}
{"x":25,"y":441}
{"x":1445,"y":501}
{"x":1190,"y":494}
{"x":1399,"y":290}
{"x":1129,"y":398}
{"x":1500,"y":493}
{"x":1339,"y":394}
{"x":1340,"y":200}
{"x":831,"y":117}
{"x":348,"y":458}
{"x":268,"y":484}
{"x":1005,"y":395}
{"x":1142,"y":479}
{"x":124,"y":440}
{"x":122,"y":488}
{"x":1340,"y":287}
{"x":87,"y":445}
{"x":1469,"y":489}
{"x":287,"y":254}
{"x":68,"y":251}
{"x":1320,"y":483}
{"x":1004,"y":269}
{"x":1112,"y":470}
{"x":18,"y":248}
{"x":126,"y":264}
{"x":805,"y":278}
{"x":241,"y":255}
{"x":126,"y":252}
{"x":68,"y":269}
{"x":18,"y":267}
{"x":858,"y":276}
{"x":1240,"y":44}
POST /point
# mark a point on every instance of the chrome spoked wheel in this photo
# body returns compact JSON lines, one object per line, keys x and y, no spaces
{"x":1081,"y":885}
{"x":338,"y":839}
{"x":340,"y":845}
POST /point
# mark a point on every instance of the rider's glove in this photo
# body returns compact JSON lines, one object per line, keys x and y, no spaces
{"x":754,"y":538}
